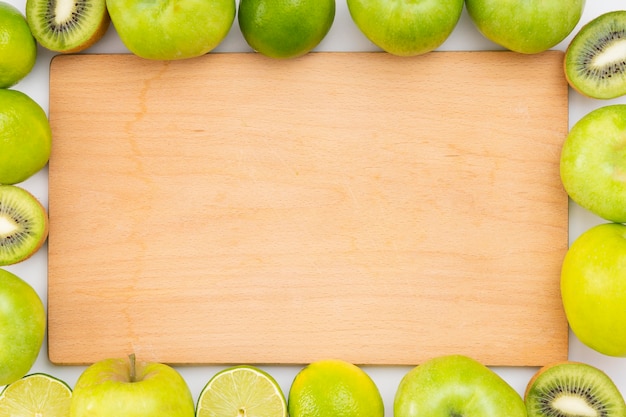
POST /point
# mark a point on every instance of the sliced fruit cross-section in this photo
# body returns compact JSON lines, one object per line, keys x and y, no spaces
{"x":242,"y":391}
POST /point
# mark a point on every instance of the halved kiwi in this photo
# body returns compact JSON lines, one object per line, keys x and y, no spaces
{"x":595,"y":60}
{"x":572,"y":389}
{"x":67,"y":25}
{"x":23,"y":224}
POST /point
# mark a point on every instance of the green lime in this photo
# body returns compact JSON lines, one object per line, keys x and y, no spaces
{"x":242,"y":391}
{"x":25,"y":137}
{"x":285,"y":28}
{"x":18,"y":48}
{"x":36,"y":395}
{"x":334,"y":388}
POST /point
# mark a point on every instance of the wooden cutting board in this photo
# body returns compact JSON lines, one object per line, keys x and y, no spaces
{"x":238,"y":209}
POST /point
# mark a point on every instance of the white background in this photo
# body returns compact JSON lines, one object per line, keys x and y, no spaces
{"x":343,"y":36}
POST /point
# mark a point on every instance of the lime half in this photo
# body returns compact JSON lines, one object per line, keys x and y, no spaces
{"x":36,"y":395}
{"x":242,"y":391}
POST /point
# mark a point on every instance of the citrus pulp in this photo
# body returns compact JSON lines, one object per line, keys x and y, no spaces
{"x":242,"y":391}
{"x":38,"y":395}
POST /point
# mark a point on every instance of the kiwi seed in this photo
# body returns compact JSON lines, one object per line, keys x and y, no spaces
{"x":595,"y":60}
{"x":572,"y":389}
{"x":23,"y":224}
{"x":67,"y":25}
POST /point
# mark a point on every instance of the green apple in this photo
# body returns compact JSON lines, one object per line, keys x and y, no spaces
{"x":593,"y":162}
{"x":171,"y":29}
{"x":406,"y":28}
{"x":456,"y":385}
{"x":22,"y":327}
{"x":125,"y":388}
{"x":593,"y":288}
{"x":526,"y":26}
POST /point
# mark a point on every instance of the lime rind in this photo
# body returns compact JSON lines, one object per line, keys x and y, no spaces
{"x":37,"y":394}
{"x":285,"y":29}
{"x":242,"y":390}
{"x":334,"y":387}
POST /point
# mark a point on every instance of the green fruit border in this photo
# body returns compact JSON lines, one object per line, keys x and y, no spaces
{"x":42,"y":194}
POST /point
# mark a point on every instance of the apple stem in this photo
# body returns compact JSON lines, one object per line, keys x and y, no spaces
{"x":133,"y":365}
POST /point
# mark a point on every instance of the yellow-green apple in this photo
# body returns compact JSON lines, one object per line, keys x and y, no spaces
{"x":406,"y":28}
{"x":593,"y":288}
{"x":119,"y":387}
{"x":171,"y":29}
{"x":593,"y":162}
{"x":22,"y":327}
{"x":456,"y":385}
{"x":526,"y":26}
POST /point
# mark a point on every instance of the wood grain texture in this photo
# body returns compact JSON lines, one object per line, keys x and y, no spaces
{"x":238,"y":209}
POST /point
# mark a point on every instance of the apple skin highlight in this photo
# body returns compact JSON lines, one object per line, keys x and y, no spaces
{"x":22,"y":327}
{"x":593,"y":288}
{"x":111,"y":388}
{"x":593,"y":162}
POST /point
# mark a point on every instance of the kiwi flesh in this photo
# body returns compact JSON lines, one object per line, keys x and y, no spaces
{"x":23,"y":224}
{"x":595,"y":60}
{"x":573,"y":389}
{"x":67,"y":26}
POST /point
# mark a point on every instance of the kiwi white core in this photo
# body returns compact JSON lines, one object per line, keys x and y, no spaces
{"x":574,"y":406}
{"x":63,"y":11}
{"x":612,"y":54}
{"x":7,"y":226}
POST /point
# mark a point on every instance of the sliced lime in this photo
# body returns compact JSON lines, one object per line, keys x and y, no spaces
{"x":242,"y":391}
{"x":36,"y":395}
